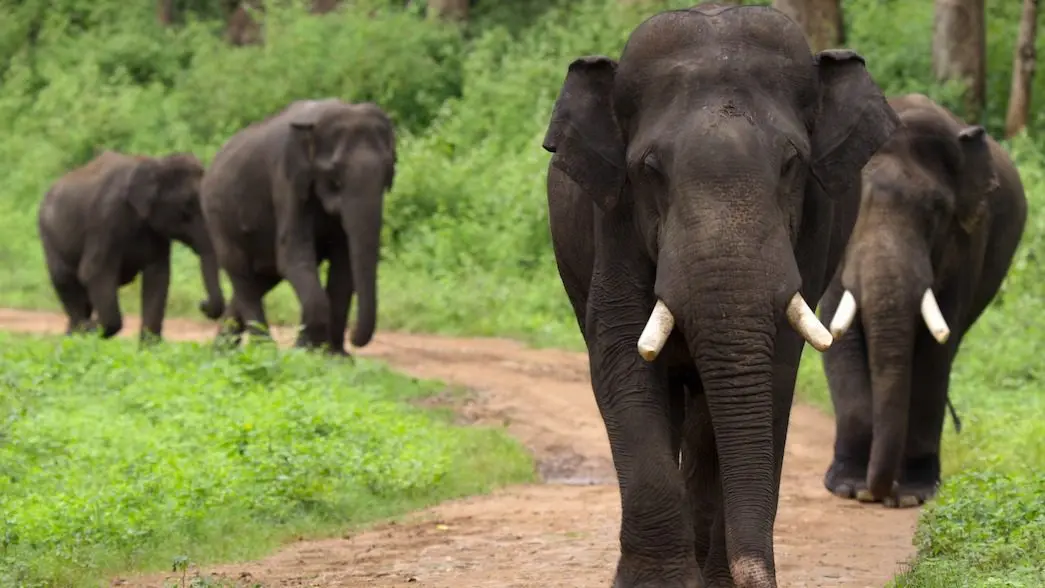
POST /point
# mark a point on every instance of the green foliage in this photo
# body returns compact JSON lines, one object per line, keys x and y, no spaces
{"x":466,"y":247}
{"x":111,"y":457}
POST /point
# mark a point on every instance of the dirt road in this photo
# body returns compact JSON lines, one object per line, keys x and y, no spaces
{"x":562,"y":533}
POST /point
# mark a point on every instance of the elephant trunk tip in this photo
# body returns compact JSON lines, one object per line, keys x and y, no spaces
{"x":361,"y":338}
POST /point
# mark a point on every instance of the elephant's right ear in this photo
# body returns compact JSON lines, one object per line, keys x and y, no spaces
{"x":143,"y":187}
{"x":583,"y":134}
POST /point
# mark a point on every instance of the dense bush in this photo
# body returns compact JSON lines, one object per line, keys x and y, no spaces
{"x":466,"y":243}
{"x":111,"y":457}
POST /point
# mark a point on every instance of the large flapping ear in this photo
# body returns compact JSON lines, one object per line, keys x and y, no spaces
{"x":302,"y":128}
{"x":583,"y":133}
{"x":143,"y":185}
{"x":853,"y":122}
{"x":978,"y":176}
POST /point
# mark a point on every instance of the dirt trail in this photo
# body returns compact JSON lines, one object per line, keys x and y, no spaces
{"x":562,"y":533}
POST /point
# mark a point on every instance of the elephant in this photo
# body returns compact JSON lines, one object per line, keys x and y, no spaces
{"x":941,"y":215}
{"x":701,"y":190}
{"x":305,"y":185}
{"x":106,"y":222}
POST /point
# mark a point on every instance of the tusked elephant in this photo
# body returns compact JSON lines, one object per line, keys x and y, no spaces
{"x":701,"y":192}
{"x":104,"y":223}
{"x":305,"y":185}
{"x":942,"y":213}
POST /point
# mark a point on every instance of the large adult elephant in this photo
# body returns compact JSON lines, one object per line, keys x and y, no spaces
{"x":288,"y":192}
{"x":104,"y":223}
{"x":701,"y":191}
{"x":942,"y":213}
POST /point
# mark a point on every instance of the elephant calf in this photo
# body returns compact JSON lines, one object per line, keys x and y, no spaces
{"x":113,"y":218}
{"x":942,"y":213}
{"x":288,"y":192}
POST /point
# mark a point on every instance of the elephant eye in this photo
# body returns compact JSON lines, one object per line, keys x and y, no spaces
{"x":652,"y":163}
{"x":334,"y":184}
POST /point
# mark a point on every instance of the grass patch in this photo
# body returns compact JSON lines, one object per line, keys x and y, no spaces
{"x":113,"y":458}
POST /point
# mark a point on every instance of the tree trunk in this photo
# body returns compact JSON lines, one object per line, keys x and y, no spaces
{"x":448,"y":9}
{"x":324,"y":6}
{"x":165,"y":12}
{"x":959,"y":50}
{"x":241,"y":28}
{"x":820,"y":19}
{"x":1023,"y":65}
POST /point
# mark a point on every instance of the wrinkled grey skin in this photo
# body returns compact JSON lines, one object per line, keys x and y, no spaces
{"x":716,"y":166}
{"x":300,"y":187}
{"x":943,"y":207}
{"x":106,"y":222}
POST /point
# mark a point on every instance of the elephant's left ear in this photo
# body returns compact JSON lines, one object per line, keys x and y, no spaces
{"x":303,"y":129}
{"x":143,"y":185}
{"x":853,"y":122}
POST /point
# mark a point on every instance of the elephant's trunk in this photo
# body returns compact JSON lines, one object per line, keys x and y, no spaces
{"x":362,"y":224}
{"x":199,"y":240}
{"x":889,"y":319}
{"x":728,"y":290}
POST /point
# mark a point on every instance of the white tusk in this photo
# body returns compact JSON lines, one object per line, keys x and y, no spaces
{"x":934,"y":318}
{"x":844,"y":315}
{"x":655,"y":335}
{"x":805,"y":322}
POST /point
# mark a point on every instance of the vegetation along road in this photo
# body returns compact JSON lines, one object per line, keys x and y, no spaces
{"x":562,"y":532}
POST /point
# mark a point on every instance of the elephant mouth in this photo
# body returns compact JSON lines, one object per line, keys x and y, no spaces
{"x":801,"y":318}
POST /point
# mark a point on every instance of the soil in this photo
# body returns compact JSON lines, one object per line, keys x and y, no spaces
{"x":563,"y":531}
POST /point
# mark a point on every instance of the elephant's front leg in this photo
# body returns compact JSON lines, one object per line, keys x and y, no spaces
{"x":155,"y":285}
{"x":849,"y":381}
{"x":339,"y":292}
{"x":656,"y":534}
{"x":920,"y":473}
{"x":100,"y":271}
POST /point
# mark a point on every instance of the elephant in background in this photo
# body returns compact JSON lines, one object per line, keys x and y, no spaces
{"x":305,"y":185}
{"x":942,"y":213}
{"x":105,"y":222}
{"x":701,"y":192}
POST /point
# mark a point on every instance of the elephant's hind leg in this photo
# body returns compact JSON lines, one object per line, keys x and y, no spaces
{"x":849,"y":381}
{"x":75,"y":301}
{"x":246,"y":310}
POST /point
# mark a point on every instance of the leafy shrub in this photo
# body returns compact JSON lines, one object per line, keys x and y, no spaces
{"x":114,"y":458}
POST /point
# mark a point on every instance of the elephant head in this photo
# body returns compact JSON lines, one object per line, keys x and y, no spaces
{"x":344,"y":155}
{"x":730,"y":157}
{"x":922,"y":217}
{"x":165,"y":195}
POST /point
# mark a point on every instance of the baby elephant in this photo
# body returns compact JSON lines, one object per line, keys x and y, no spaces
{"x":941,"y":215}
{"x":104,"y":223}
{"x":305,"y":185}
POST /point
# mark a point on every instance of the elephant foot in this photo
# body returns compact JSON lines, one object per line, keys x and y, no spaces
{"x":847,"y":478}
{"x":85,"y":327}
{"x":339,"y":352}
{"x":660,"y":574}
{"x":919,"y":482}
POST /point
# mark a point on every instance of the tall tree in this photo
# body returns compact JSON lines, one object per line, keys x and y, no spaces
{"x":165,"y":12}
{"x":820,"y":19}
{"x":448,"y":9}
{"x":960,"y":50}
{"x":1024,"y":62}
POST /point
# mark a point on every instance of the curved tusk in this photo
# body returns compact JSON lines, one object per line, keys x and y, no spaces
{"x":844,"y":314}
{"x":934,"y":318}
{"x":655,"y":335}
{"x":805,"y":322}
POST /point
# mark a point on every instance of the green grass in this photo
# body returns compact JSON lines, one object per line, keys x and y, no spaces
{"x":465,"y":245}
{"x":113,"y":458}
